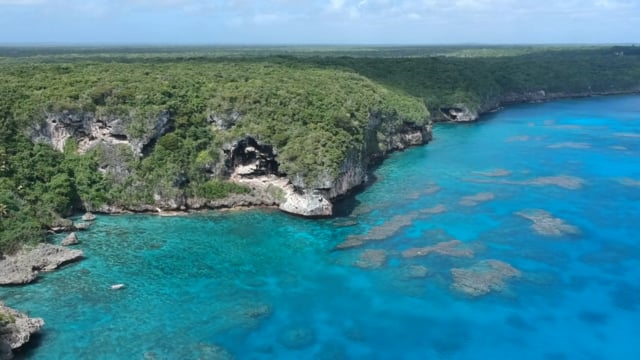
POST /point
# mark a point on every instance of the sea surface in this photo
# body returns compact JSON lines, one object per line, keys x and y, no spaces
{"x":543,"y":200}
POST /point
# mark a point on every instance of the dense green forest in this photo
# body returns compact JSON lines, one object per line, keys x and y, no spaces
{"x":313,"y":105}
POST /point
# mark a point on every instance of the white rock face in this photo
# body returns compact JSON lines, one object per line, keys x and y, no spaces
{"x":310,"y":205}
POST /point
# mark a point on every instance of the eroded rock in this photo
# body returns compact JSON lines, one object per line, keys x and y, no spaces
{"x":71,"y":239}
{"x":88,"y":217}
{"x":82,"y":226}
{"x":16,"y":329}
{"x":61,"y":225}
{"x":23,"y":267}
{"x":459,"y":113}
{"x":90,"y":130}
{"x":309,"y":205}
{"x":483,"y":277}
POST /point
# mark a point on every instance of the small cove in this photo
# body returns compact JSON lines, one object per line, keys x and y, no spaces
{"x":549,"y":189}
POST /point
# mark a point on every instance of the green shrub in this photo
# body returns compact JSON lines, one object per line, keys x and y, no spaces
{"x":218,"y":189}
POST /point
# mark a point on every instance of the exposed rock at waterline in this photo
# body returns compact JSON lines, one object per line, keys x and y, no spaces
{"x":83,"y":226}
{"x":16,"y":329}
{"x":88,"y":217}
{"x":71,"y":239}
{"x":61,"y":225}
{"x":309,"y":205}
{"x":18,"y":332}
{"x":23,"y":267}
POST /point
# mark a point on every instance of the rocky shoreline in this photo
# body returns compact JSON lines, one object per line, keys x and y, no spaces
{"x":268,"y":191}
{"x":272,"y":190}
{"x":462,"y":113}
{"x":16,"y":330}
{"x":24,"y":267}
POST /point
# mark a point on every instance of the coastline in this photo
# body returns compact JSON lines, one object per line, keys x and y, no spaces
{"x":351,"y":193}
{"x":533,"y":97}
{"x":231,"y":203}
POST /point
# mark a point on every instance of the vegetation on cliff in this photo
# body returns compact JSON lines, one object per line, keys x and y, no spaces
{"x":313,"y":106}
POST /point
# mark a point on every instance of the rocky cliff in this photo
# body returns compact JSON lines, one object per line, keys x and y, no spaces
{"x":245,"y":161}
{"x":90,"y":130}
{"x":16,"y":329}
{"x":259,"y":168}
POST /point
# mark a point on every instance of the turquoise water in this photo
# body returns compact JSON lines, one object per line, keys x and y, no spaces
{"x":262,"y":285}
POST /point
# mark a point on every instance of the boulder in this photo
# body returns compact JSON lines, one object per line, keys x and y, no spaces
{"x":23,"y":267}
{"x":309,"y":205}
{"x":71,"y":239}
{"x":82,"y":226}
{"x":61,"y":225}
{"x":16,"y":329}
{"x":88,"y":217}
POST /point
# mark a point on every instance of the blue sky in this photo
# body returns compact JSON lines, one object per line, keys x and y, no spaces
{"x":318,"y":21}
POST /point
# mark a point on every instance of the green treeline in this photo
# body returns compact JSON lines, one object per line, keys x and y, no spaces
{"x":312,"y":106}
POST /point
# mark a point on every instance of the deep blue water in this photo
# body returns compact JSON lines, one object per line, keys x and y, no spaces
{"x":265,"y":285}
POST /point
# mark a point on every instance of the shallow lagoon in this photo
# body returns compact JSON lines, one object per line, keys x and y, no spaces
{"x":261,"y":284}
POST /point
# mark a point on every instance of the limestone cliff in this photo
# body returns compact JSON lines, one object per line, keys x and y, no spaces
{"x":246,"y":161}
{"x":90,"y":130}
{"x":16,"y":329}
{"x":255,"y":165}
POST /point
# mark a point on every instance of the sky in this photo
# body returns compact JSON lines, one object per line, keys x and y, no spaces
{"x":237,"y":22}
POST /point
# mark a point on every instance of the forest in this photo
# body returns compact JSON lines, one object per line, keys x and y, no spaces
{"x":313,"y":105}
